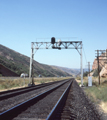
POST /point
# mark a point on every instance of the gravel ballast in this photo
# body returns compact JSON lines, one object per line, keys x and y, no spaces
{"x":79,"y":107}
{"x":42,"y":108}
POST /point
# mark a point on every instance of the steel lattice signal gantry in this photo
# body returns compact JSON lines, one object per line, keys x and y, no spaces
{"x":56,"y":45}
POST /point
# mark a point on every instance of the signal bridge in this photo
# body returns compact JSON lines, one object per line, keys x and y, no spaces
{"x":54,"y":45}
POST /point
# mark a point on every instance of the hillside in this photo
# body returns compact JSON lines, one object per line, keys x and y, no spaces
{"x":68,"y":70}
{"x":20,"y":63}
{"x":6,"y":72}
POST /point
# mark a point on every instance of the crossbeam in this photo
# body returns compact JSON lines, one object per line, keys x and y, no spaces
{"x":63,"y":45}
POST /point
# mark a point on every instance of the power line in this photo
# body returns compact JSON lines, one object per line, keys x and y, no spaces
{"x":85,"y":55}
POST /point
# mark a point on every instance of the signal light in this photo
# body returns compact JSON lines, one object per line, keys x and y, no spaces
{"x":52,"y":40}
{"x":59,"y":48}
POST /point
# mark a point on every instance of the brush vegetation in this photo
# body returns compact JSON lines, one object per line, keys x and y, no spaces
{"x":97,"y":93}
{"x":7,"y":83}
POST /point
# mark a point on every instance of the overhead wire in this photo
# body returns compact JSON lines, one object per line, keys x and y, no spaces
{"x":84,"y":54}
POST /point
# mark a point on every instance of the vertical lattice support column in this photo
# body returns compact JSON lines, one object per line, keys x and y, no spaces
{"x":31,"y":81}
{"x":81,"y":67}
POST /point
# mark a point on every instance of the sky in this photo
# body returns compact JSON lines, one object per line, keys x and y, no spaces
{"x":24,"y":21}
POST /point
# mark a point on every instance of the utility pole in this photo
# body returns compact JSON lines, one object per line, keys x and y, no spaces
{"x":98,"y":66}
{"x":101,"y":54}
{"x":89,"y":68}
{"x":106,"y":55}
{"x":89,"y":77}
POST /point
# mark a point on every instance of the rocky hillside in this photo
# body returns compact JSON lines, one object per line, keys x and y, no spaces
{"x":102,"y":65}
{"x":20,"y":63}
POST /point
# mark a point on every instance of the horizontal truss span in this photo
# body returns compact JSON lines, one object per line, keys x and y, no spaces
{"x":58,"y":45}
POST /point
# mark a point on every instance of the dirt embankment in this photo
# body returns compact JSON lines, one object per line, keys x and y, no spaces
{"x":6,"y":72}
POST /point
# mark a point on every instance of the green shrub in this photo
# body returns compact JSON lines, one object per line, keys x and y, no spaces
{"x":97,"y":93}
{"x":85,"y":74}
{"x":96,"y":71}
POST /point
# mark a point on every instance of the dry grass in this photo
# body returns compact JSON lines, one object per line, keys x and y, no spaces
{"x":94,"y":80}
{"x":103,"y":105}
{"x":7,"y":83}
{"x":97,"y":93}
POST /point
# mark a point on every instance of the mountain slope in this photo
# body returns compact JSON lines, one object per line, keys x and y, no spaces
{"x":20,"y":63}
{"x":68,"y":70}
{"x":6,"y":72}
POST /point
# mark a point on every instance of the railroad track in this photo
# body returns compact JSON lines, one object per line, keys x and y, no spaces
{"x":63,"y":101}
{"x":25,"y":88}
{"x":38,"y":106}
{"x":15,"y":92}
{"x":11,"y":99}
{"x":57,"y":110}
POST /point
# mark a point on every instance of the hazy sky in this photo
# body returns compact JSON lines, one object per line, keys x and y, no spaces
{"x":23,"y":21}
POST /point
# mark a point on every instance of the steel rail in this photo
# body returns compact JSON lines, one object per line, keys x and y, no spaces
{"x":13,"y":90}
{"x":57,"y":105}
{"x":22,"y":91}
{"x":14,"y":111}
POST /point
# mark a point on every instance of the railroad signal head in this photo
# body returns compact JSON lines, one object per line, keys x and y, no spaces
{"x":52,"y":40}
{"x":59,"y":42}
{"x":59,"y":48}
